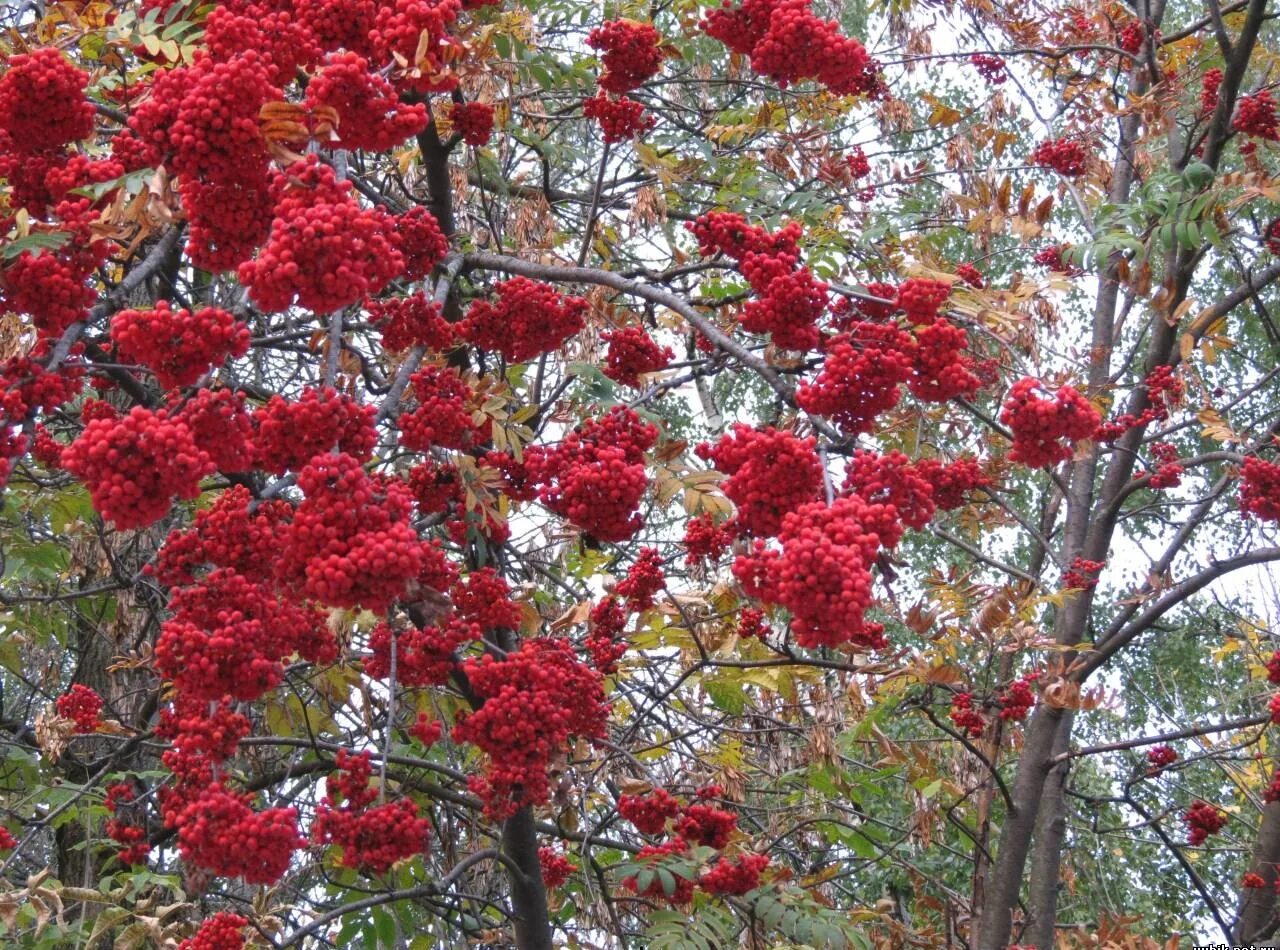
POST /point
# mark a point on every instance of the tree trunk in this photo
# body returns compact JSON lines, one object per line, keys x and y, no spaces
{"x":528,"y":894}
{"x":1256,"y":913}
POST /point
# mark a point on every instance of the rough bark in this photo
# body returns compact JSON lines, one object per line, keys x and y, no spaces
{"x":1256,"y":912}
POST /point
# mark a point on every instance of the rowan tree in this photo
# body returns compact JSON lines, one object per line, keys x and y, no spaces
{"x":766,"y":473}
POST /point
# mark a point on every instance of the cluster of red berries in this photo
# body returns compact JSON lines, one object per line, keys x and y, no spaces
{"x":991,"y":68}
{"x":222,"y":931}
{"x":230,"y":533}
{"x":1131,"y":38}
{"x":734,"y":876}
{"x":201,"y":735}
{"x":406,"y":322}
{"x":861,"y":376}
{"x":1260,"y":489}
{"x":1209,"y":85}
{"x":555,"y":867}
{"x":653,"y":854}
{"x":371,"y":115}
{"x":473,"y":121}
{"x":1160,"y":758}
{"x":1202,"y":820}
{"x":291,"y":433}
{"x":921,"y":299}
{"x":483,"y":597}
{"x":789,"y":43}
{"x":426,"y":730}
{"x":970,"y":275}
{"x":25,"y":385}
{"x":941,"y":370}
{"x":952,"y":482}
{"x":1051,"y":257}
{"x":968,"y":720}
{"x":371,"y":838}
{"x":704,"y":540}
{"x":649,"y":813}
{"x":441,"y":415}
{"x":177,"y":345}
{"x":435,"y":485}
{"x":1065,"y":156}
{"x":1164,"y":392}
{"x":417,"y":31}
{"x":1045,"y":427}
{"x":533,"y":701}
{"x":643,"y":582}
{"x":1083,"y":574}
{"x":1168,"y":472}
{"x":528,"y":319}
{"x":788,"y":310}
{"x":133,"y":837}
{"x":82,"y":705}
{"x":424,"y":656}
{"x":604,"y":642}
{"x":620,"y":118}
{"x":421,"y":241}
{"x":134,"y":466}
{"x":42,"y":101}
{"x":1271,"y":237}
{"x":324,"y":249}
{"x":1017,"y":699}
{"x":822,"y":573}
{"x":1256,"y":116}
{"x":633,"y":353}
{"x":771,"y":472}
{"x":891,"y":479}
{"x":631,"y":54}
{"x":218,"y":831}
{"x":596,"y":477}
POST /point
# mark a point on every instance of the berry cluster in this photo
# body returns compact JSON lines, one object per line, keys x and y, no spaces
{"x":527,"y":319}
{"x":970,"y":275}
{"x":789,"y":43}
{"x":178,"y":346}
{"x":441,"y":416}
{"x":1202,"y":820}
{"x":771,"y":473}
{"x":1164,"y":392}
{"x":422,"y":244}
{"x":951,"y":482}
{"x":555,"y":867}
{"x":631,"y":54}
{"x":424,"y":657}
{"x":968,"y":720}
{"x":133,"y":837}
{"x":417,"y":32}
{"x":1051,"y":257}
{"x":620,"y":118}
{"x":291,"y":434}
{"x":704,"y":540}
{"x":324,"y":249}
{"x":1160,"y":758}
{"x":1044,"y":428}
{"x":1017,"y":699}
{"x":406,"y":322}
{"x":371,"y":838}
{"x":1209,"y":85}
{"x":82,"y":705}
{"x":891,"y":480}
{"x":734,"y":877}
{"x":991,"y":68}
{"x":42,"y":101}
{"x":921,"y":299}
{"x":1256,"y":116}
{"x":596,"y":477}
{"x":1083,"y":574}
{"x":1065,"y":156}
{"x":1131,"y":38}
{"x":218,"y":831}
{"x":822,"y":574}
{"x":371,"y":115}
{"x":1260,"y":489}
{"x":941,"y":371}
{"x":1168,"y":472}
{"x":222,"y":931}
{"x":533,"y":701}
{"x":426,"y":730}
{"x":473,"y":121}
{"x":653,"y":854}
{"x":134,"y":466}
{"x":632,"y":354}
{"x":649,"y":813}
{"x":861,"y":375}
{"x":1271,"y":237}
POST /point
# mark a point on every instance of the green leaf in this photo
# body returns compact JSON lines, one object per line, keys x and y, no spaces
{"x":37,"y":241}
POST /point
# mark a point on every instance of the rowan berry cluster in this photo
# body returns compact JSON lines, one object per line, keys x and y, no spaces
{"x":7,"y":840}
{"x":771,"y":472}
{"x":1051,"y":257}
{"x":222,"y":931}
{"x":534,"y":700}
{"x":1168,"y":473}
{"x":822,"y":572}
{"x":371,"y":838}
{"x":788,"y":310}
{"x":991,"y":68}
{"x":134,"y":466}
{"x":1083,"y":574}
{"x":1256,"y":116}
{"x":483,"y":597}
{"x":706,"y":825}
{"x":218,"y":831}
{"x":891,"y":479}
{"x":631,"y":54}
{"x":789,"y":43}
{"x":473,"y":121}
{"x":1260,"y":489}
{"x":42,"y":101}
{"x":921,"y":299}
{"x":82,"y":705}
{"x":406,"y":322}
{"x":132,"y":836}
{"x":422,"y":244}
{"x":1065,"y":156}
{"x":1131,"y":38}
{"x":1017,"y":699}
{"x":734,"y":876}
{"x":555,"y":867}
{"x":643,"y":582}
{"x":952,"y":482}
{"x":1253,"y":881}
{"x":1160,"y":758}
{"x":1203,"y":820}
{"x":177,"y":345}
{"x":861,"y":376}
{"x":604,"y":641}
{"x":426,"y":730}
{"x":1271,"y":237}
{"x":1044,"y":428}
{"x":441,"y":415}
{"x":226,"y":534}
{"x":653,"y":854}
{"x":649,"y":813}
{"x":290,"y":434}
{"x":201,"y":736}
{"x":527,"y":319}
{"x":1209,"y":85}
{"x":417,"y":31}
{"x":633,"y":353}
{"x":596,"y":477}
{"x":424,"y":656}
{"x":704,"y":540}
{"x":941,"y":371}
{"x":324,"y":249}
{"x":965,"y":717}
{"x":620,"y":118}
{"x":371,"y":115}
{"x":970,"y":275}
{"x":1164,"y":392}
{"x":435,"y":485}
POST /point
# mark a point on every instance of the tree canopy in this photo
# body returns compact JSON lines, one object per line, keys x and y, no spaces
{"x":778,"y":474}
